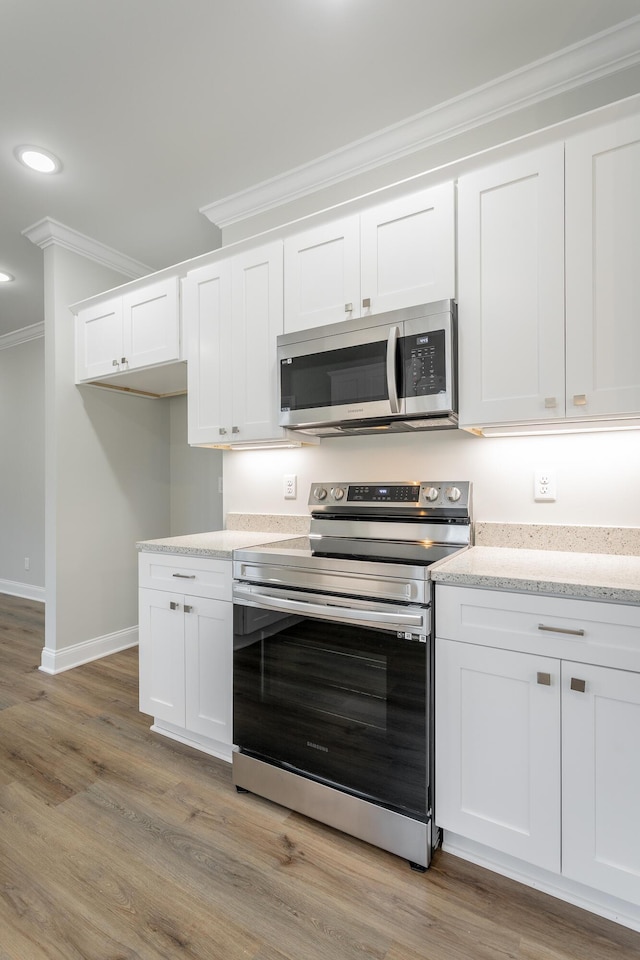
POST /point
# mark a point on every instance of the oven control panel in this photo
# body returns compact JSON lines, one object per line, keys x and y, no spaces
{"x":400,"y":497}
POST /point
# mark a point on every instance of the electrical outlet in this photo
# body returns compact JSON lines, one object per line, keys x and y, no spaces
{"x":219,"y":484}
{"x":290,"y":486}
{"x":27,"y":563}
{"x":544,"y":484}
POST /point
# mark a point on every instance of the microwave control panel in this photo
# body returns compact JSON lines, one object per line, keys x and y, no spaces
{"x":425,"y":364}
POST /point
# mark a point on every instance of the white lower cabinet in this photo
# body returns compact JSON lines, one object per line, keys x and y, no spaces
{"x":537,"y":733}
{"x":185,"y":650}
{"x":601,"y":778}
{"x":498,"y":749}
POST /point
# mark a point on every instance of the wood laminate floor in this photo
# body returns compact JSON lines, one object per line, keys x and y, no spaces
{"x":116,"y":844}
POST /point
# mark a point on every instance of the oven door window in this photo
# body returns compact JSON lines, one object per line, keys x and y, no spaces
{"x":342,"y":704}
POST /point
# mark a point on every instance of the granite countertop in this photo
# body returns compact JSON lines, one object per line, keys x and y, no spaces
{"x":217,"y":543}
{"x":586,"y":576}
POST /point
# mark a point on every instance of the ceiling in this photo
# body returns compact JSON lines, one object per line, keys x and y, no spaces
{"x":159,"y":107}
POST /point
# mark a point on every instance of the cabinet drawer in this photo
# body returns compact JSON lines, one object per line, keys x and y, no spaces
{"x":189,"y":575}
{"x":583,"y":630}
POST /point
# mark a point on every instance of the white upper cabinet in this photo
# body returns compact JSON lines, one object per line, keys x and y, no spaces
{"x":140,"y":328}
{"x":256,"y":310}
{"x":233,"y":314}
{"x":407,"y":251}
{"x":322,"y":275}
{"x":207,"y":319}
{"x":511,"y":290}
{"x":603,"y":271}
{"x":397,"y":254}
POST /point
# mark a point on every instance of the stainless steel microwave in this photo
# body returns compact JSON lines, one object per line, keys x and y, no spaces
{"x":394,"y":372}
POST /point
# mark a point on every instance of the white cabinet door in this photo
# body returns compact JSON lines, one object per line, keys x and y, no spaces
{"x":407,"y":251}
{"x":208,"y":674}
{"x":207,"y":317}
{"x":498,"y":749}
{"x":511,"y":290}
{"x":99,"y":342}
{"x":322,"y":275}
{"x":601,"y":779}
{"x":151,"y":324}
{"x":256,"y":320}
{"x":603,"y":279}
{"x":161,"y":653}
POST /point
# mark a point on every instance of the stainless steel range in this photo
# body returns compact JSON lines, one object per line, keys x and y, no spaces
{"x":333,"y":660}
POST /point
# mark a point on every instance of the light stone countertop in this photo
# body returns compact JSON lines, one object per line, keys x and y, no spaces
{"x":217,"y":543}
{"x":586,"y":576}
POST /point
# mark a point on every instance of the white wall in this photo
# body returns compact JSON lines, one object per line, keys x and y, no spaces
{"x":22,"y":468}
{"x":107,"y":483}
{"x":196,"y":472}
{"x":598,"y":475}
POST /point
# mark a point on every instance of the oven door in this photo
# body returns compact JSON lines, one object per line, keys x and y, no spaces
{"x":337,"y":692}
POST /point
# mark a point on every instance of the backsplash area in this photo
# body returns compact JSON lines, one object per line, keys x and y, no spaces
{"x":621,"y":541}
{"x":268,"y":523}
{"x":597,"y":475}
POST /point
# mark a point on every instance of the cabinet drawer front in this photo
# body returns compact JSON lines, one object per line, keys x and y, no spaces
{"x":584,"y":630}
{"x":189,"y":575}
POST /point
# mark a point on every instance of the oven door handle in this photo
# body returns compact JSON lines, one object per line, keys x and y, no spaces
{"x":332,"y":611}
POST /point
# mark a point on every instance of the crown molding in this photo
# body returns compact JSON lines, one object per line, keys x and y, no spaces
{"x":599,"y":56}
{"x":34,"y":332}
{"x":47,"y":232}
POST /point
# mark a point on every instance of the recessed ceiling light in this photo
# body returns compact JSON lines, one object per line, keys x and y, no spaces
{"x":5,"y":277}
{"x":43,"y":161}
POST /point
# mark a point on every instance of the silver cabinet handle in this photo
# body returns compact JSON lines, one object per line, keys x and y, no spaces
{"x":184,"y":576}
{"x":366,"y":303}
{"x":115,"y":363}
{"x":550,"y":403}
{"x":579,"y":400}
{"x":173,"y":605}
{"x":573,"y":633}
{"x":188,"y":608}
{"x":578,"y":685}
{"x":392,"y":386}
{"x":348,"y":307}
{"x":123,"y":360}
{"x":544,"y":679}
{"x":235,"y":429}
{"x":221,"y":431}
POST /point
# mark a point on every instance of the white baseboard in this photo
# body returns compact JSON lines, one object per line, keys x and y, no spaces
{"x":214,"y":748}
{"x":626,"y":914}
{"x":26,"y":590}
{"x":56,"y":661}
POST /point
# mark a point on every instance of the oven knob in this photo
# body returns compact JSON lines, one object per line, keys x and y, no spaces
{"x":338,"y":493}
{"x":431,"y":493}
{"x":320,"y":493}
{"x":453,"y":494}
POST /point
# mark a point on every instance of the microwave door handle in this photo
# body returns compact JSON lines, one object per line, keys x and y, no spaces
{"x":392,"y":384}
{"x":334,"y":612}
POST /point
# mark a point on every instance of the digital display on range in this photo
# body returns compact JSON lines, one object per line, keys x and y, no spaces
{"x":379,"y":493}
